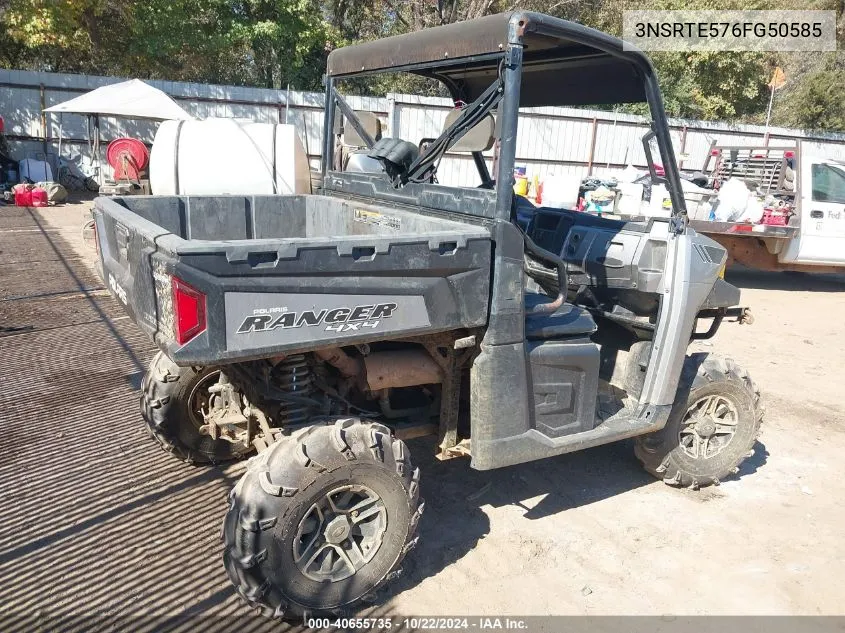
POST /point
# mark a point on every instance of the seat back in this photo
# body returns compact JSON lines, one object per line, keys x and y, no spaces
{"x":480,"y":138}
{"x":352,"y":144}
{"x":359,"y":162}
{"x":371,"y":124}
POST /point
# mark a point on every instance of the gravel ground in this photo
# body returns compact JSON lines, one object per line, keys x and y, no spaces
{"x":96,"y":519}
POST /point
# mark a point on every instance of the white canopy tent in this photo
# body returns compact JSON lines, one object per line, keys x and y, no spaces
{"x":133,"y":99}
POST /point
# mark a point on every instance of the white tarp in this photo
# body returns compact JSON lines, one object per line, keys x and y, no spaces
{"x":133,"y":99}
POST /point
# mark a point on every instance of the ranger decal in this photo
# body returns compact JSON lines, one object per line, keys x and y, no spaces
{"x":256,"y":320}
{"x":344,"y":319}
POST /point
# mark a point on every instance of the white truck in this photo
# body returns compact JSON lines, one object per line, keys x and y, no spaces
{"x":806,"y":233}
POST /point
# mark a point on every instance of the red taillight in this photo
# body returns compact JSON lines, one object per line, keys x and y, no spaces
{"x":189,"y":309}
{"x":789,"y":154}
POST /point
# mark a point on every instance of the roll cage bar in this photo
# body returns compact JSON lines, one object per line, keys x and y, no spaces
{"x":533,"y":59}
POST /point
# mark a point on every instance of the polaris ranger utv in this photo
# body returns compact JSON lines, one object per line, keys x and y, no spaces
{"x":320,"y":330}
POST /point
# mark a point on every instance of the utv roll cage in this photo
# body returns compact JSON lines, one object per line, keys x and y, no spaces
{"x":509,"y":60}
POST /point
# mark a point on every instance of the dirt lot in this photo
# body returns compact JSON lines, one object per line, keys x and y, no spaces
{"x":96,"y":518}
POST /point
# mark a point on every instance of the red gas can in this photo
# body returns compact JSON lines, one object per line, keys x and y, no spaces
{"x":23,"y":196}
{"x":39,"y":197}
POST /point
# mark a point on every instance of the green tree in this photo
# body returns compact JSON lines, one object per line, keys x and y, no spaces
{"x":267,"y":43}
{"x":63,"y":35}
{"x":818,"y":103}
{"x":186,"y":39}
{"x":713,"y":85}
{"x":288,"y":40}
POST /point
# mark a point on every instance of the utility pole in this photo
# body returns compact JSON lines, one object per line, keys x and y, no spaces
{"x":777,"y":81}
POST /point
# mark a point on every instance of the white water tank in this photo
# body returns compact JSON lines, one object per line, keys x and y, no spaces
{"x":225,"y":156}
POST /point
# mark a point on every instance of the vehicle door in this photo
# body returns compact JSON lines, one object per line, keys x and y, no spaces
{"x":821,"y":237}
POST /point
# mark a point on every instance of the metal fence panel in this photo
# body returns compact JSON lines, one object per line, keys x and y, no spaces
{"x":552,"y":140}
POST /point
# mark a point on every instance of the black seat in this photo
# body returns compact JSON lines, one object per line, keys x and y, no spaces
{"x":567,"y":321}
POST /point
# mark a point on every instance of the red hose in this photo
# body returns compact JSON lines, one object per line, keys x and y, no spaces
{"x":128,"y":157}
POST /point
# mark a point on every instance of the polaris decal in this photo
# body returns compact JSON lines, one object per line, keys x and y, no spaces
{"x":352,"y":319}
{"x":255,"y":319}
{"x":118,"y":290}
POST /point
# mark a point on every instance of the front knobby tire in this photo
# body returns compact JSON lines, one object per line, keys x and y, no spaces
{"x":171,"y":401}
{"x":714,"y":424}
{"x":322,"y":519}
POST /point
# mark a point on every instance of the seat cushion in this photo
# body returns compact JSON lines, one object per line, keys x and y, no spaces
{"x":567,"y":321}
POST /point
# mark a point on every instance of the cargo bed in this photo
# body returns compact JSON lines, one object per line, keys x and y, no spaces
{"x":279,"y":274}
{"x":740,"y":229}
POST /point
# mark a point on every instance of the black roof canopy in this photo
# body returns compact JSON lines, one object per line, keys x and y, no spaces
{"x":564,"y":63}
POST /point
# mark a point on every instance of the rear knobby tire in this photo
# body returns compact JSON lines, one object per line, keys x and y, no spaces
{"x":272,"y":508}
{"x":171,"y":417}
{"x":678,"y":454}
